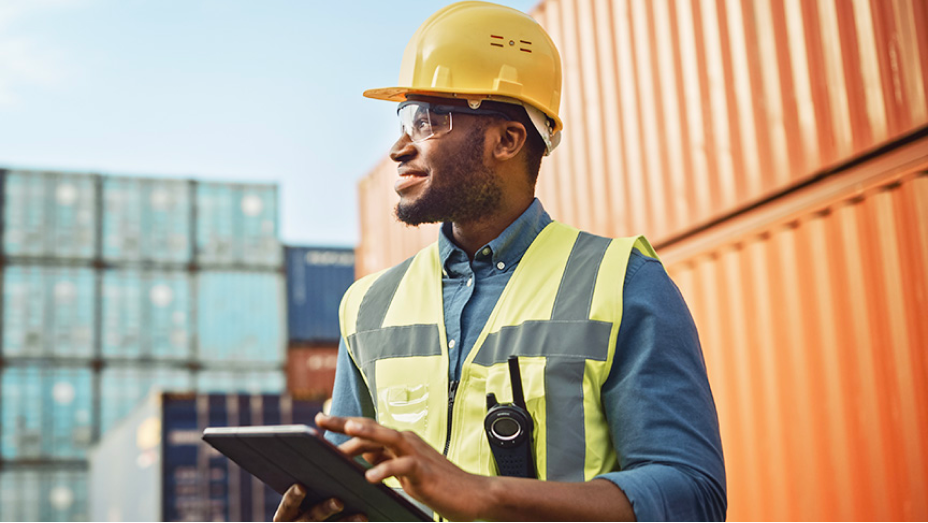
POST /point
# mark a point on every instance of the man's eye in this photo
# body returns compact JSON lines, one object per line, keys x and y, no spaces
{"x":420,"y":124}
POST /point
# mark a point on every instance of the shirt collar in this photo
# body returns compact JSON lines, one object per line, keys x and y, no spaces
{"x":507,"y":248}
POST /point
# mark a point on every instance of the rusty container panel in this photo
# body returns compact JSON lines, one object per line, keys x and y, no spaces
{"x":813,"y":330}
{"x":679,"y":112}
{"x":311,"y":369}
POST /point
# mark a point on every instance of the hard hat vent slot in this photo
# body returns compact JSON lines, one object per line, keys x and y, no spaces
{"x":496,"y":44}
{"x":526,"y":43}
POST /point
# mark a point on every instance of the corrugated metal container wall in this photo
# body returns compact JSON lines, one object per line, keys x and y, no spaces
{"x":812,"y":320}
{"x":44,"y":493}
{"x":237,"y":225}
{"x":316,"y":280}
{"x":147,"y":220}
{"x":48,"y":311}
{"x":48,"y":214}
{"x":241,"y":318}
{"x":311,"y":369}
{"x":123,"y":387}
{"x":46,"y":411}
{"x":678,"y":112}
{"x":147,"y":313}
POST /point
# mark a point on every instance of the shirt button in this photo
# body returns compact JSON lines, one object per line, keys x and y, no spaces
{"x":469,"y":281}
{"x":500,"y":265}
{"x":451,"y":344}
{"x":486,"y":251}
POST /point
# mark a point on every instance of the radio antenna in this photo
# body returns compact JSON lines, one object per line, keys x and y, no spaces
{"x":515,"y":377}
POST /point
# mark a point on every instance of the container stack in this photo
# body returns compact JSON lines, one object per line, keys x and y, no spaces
{"x":316,"y":280}
{"x":155,"y":467}
{"x":112,"y":287}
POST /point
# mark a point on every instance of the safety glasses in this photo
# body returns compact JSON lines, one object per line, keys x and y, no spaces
{"x":423,"y":120}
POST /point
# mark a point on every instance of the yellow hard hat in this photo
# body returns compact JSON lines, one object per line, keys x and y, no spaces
{"x":483,"y":51}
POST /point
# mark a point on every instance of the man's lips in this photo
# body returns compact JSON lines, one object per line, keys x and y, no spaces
{"x":409,"y":178}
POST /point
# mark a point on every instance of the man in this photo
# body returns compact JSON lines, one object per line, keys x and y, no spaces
{"x":624,"y":422}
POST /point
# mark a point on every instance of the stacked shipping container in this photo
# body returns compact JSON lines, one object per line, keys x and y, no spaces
{"x":316,"y":279}
{"x":155,"y":467}
{"x":114,"y":286}
{"x":771,"y":151}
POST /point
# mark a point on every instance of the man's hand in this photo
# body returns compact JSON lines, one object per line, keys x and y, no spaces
{"x":289,"y":508}
{"x":424,"y":473}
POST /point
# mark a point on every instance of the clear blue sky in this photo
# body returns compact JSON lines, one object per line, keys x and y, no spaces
{"x":233,"y":90}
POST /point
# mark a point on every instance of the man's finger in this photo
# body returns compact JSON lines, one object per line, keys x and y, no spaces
{"x":356,"y":446}
{"x":403,"y":466}
{"x":289,"y":507}
{"x":323,"y":511}
{"x":369,"y":429}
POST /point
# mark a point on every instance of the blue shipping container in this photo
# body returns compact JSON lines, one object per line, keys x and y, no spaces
{"x":122,"y":388}
{"x":46,"y":412}
{"x":237,"y":225}
{"x":48,"y":311}
{"x":43,"y":493}
{"x":147,"y":313}
{"x":240,"y":317}
{"x":242,"y":381}
{"x":316,"y":280}
{"x":147,"y":220}
{"x":155,"y":467}
{"x":48,"y":214}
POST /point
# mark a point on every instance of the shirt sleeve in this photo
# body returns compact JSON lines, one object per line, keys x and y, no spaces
{"x":659,"y":405}
{"x":350,"y":395}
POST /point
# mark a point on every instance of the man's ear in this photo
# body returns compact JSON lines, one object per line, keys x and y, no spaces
{"x":510,"y":140}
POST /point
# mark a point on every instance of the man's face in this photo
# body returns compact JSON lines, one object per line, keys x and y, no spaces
{"x":446,"y":178}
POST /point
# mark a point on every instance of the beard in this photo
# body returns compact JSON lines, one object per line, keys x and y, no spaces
{"x":465,"y":190}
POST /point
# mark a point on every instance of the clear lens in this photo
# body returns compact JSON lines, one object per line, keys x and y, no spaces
{"x":420,"y":122}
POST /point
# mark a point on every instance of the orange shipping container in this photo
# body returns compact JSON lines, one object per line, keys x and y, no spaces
{"x":811,"y":311}
{"x":311,"y":370}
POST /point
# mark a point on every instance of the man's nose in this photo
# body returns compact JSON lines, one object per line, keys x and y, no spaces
{"x":402,"y":149}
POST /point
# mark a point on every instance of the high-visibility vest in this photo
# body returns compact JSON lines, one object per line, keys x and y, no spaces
{"x":560,"y":313}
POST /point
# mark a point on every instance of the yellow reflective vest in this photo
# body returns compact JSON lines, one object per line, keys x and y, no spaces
{"x":560,"y":313}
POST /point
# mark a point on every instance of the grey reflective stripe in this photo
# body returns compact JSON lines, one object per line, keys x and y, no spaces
{"x":581,"y":340}
{"x":376,"y":301}
{"x":575,"y":294}
{"x":393,"y":342}
{"x":566,"y":345}
{"x":565,"y":431}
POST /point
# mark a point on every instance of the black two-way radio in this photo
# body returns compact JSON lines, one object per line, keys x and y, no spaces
{"x":509,"y":430}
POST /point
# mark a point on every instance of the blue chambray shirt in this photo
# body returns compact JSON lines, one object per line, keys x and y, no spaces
{"x":657,"y":398}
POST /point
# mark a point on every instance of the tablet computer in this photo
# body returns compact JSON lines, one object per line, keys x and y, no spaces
{"x":282,"y":455}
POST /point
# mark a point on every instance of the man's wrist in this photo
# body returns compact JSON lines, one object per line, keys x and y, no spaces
{"x":489,"y":497}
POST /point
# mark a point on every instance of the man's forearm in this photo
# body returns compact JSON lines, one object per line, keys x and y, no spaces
{"x":518,"y":499}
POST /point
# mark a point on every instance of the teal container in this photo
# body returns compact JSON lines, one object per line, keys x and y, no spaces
{"x":147,"y":314}
{"x":147,"y":220}
{"x":241,"y":381}
{"x":43,"y":493}
{"x":122,"y":388}
{"x":46,"y":412}
{"x":241,"y":317}
{"x":236,"y":225}
{"x":49,"y":215}
{"x":48,"y":311}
